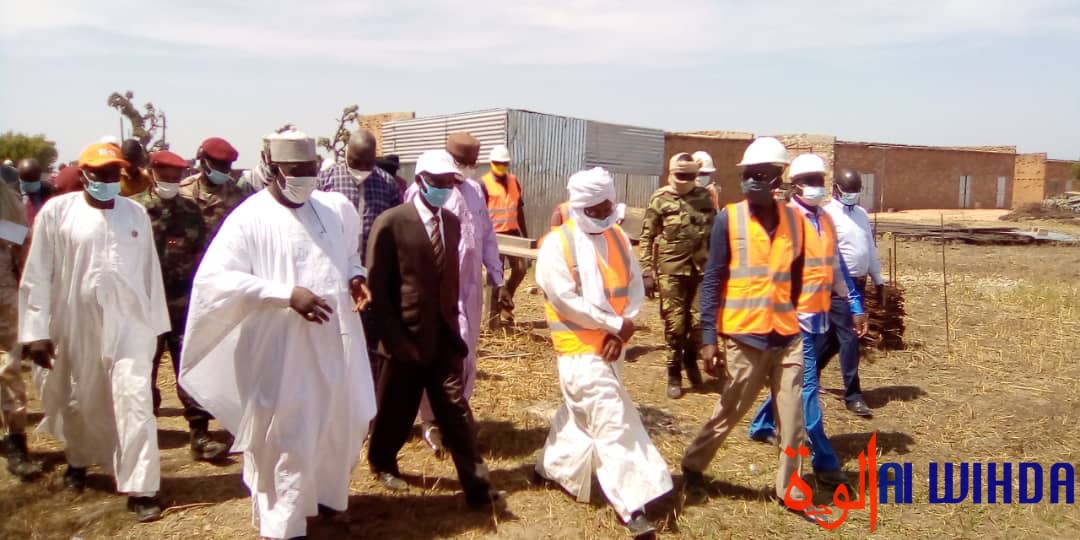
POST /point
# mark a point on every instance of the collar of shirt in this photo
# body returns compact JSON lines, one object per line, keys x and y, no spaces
{"x":811,"y":214}
{"x":427,"y":217}
{"x":358,"y":176}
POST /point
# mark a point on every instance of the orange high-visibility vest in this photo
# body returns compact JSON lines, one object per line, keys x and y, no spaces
{"x":818,"y":274}
{"x":757,"y":299}
{"x":569,"y":338}
{"x":503,"y":202}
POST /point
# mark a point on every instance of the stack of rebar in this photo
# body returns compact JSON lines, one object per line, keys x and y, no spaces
{"x":886,"y":322}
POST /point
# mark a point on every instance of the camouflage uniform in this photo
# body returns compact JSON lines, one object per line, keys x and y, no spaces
{"x":12,"y":389}
{"x":674,"y":250}
{"x":215,"y":202}
{"x":180,"y":235}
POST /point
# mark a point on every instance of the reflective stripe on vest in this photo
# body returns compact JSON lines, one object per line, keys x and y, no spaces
{"x":503,"y":202}
{"x":818,"y":273}
{"x":757,"y":299}
{"x":570,"y":338}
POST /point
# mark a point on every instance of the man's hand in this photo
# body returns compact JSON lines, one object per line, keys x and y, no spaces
{"x":861,"y":325}
{"x":650,"y":286}
{"x":612,"y":348}
{"x":310,"y":306}
{"x":506,"y":300}
{"x":627,"y":330}
{"x":713,"y":359}
{"x":883,"y":297}
{"x":361,"y":295}
{"x":41,"y":352}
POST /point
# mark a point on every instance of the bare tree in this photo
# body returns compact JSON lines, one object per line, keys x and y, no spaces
{"x":336,"y":146}
{"x":144,"y":126}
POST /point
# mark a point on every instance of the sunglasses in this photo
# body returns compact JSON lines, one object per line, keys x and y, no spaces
{"x":761,"y":176}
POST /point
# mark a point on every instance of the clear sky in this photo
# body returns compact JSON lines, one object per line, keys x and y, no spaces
{"x":948,"y":72}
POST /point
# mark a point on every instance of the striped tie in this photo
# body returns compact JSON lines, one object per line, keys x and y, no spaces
{"x":437,"y":243}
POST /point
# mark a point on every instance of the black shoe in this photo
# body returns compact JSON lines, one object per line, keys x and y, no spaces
{"x":639,"y":526}
{"x":204,"y":448}
{"x":537,"y":479}
{"x":860,"y":408}
{"x":75,"y":478}
{"x":327,"y":513}
{"x":433,"y":438}
{"x":494,"y":499}
{"x":769,"y":439}
{"x":18,"y":458}
{"x":832,"y":478}
{"x":674,"y":389}
{"x":693,"y":374}
{"x":146,"y":509}
{"x":392,"y":482}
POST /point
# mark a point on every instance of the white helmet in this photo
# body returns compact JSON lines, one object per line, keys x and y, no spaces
{"x":806,"y":164}
{"x":704,"y":161}
{"x":765,"y":150}
{"x":499,"y":154}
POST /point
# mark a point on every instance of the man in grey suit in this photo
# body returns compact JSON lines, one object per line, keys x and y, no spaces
{"x":412,"y":254}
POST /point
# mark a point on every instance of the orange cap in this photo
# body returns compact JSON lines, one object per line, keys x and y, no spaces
{"x":101,"y":154}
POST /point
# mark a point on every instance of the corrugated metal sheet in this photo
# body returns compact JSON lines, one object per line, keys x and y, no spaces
{"x":624,"y":149}
{"x":546,"y":150}
{"x":410,"y":138}
{"x":638,"y":189}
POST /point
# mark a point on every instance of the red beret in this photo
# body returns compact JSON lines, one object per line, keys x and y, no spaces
{"x":218,"y":149}
{"x":165,"y":158}
{"x":68,"y":179}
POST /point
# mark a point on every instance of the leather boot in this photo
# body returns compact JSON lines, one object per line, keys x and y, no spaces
{"x":674,"y":375}
{"x":18,"y":458}
{"x":205,"y":448}
{"x":690,"y":362}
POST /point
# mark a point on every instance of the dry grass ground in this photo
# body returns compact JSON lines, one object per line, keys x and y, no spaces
{"x":1007,"y":391}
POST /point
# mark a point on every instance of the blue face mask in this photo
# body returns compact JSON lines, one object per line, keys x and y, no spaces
{"x":434,"y":196}
{"x":102,"y":191}
{"x":217,"y":177}
{"x":29,"y":187}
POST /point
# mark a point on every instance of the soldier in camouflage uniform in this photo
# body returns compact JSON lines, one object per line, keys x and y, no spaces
{"x":213,"y":189}
{"x":180,"y":235}
{"x":674,"y":250}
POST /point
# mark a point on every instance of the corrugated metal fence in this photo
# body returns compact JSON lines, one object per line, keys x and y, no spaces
{"x":546,"y":150}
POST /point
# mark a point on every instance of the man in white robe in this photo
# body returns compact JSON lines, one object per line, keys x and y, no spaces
{"x":91,"y":307}
{"x":292,"y":385}
{"x":594,"y":290}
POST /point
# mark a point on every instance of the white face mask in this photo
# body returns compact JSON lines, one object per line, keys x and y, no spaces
{"x":298,"y":189}
{"x":850,"y":199}
{"x":359,"y":174}
{"x":812,"y":195}
{"x":166,"y":190}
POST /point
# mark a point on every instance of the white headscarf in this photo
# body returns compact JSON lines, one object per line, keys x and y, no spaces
{"x":590,"y":188}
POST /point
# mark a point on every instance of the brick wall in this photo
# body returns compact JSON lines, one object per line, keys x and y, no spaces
{"x":1030,"y":184}
{"x":1058,"y":176}
{"x":913,"y":177}
{"x":726,"y":152}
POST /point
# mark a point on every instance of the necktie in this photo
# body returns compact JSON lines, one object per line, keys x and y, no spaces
{"x":437,"y":243}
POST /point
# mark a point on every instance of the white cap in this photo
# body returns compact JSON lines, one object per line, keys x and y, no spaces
{"x":704,"y":161}
{"x":436,"y":162}
{"x":806,"y":164}
{"x":292,"y":146}
{"x":765,"y":150}
{"x":109,"y":139}
{"x":499,"y":154}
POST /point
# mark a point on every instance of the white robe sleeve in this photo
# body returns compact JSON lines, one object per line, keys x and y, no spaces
{"x":35,"y":290}
{"x":155,"y":285}
{"x":554,"y":278}
{"x":350,"y":219}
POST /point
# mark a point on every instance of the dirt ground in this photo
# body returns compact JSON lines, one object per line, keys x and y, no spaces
{"x":1005,"y":389}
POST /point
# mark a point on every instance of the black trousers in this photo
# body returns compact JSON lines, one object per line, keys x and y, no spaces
{"x":197,"y":417}
{"x":400,"y":388}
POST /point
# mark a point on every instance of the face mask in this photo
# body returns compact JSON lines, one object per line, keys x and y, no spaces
{"x":166,"y":190}
{"x":359,"y":174}
{"x":499,"y":170}
{"x":102,"y":191}
{"x":435,"y":196}
{"x":812,"y":195}
{"x":217,"y":177}
{"x":849,"y":199}
{"x":704,"y":181}
{"x":30,"y":187}
{"x":298,"y":189}
{"x":603,"y":224}
{"x":757,"y":192}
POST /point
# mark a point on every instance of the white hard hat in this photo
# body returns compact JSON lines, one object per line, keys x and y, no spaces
{"x":806,"y":164}
{"x":765,"y":150}
{"x":704,"y":161}
{"x":499,"y":154}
